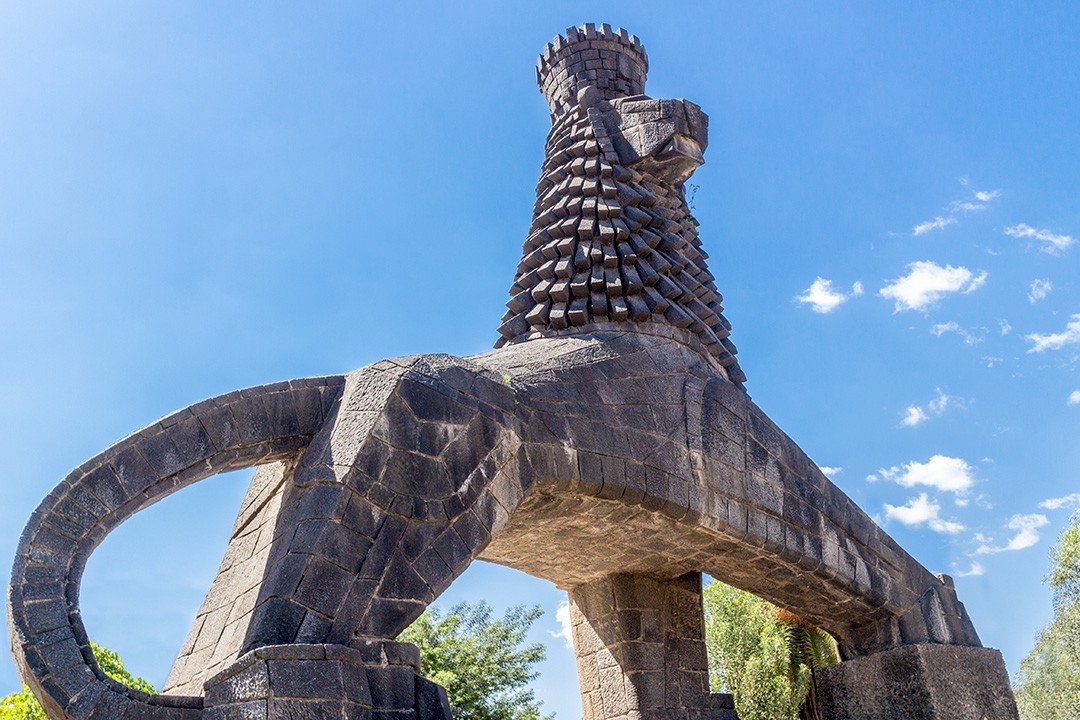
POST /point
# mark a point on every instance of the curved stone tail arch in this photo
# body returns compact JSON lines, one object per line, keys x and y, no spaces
{"x":49,"y":642}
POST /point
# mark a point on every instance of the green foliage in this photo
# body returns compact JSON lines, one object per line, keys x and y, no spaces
{"x":809,"y":648}
{"x":480,"y":661}
{"x":1064,"y":576}
{"x":110,"y":664}
{"x":24,"y":706}
{"x":21,"y":706}
{"x":762,"y":656}
{"x":1048,"y":683}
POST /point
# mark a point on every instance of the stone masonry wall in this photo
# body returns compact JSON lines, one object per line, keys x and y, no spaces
{"x":640,"y":649}
{"x":216,"y":636}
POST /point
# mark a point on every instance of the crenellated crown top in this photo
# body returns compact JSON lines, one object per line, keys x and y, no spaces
{"x":612,"y":61}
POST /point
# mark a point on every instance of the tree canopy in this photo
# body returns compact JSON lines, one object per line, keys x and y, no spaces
{"x":1048,"y":682}
{"x":763,"y":656}
{"x":483,"y":663}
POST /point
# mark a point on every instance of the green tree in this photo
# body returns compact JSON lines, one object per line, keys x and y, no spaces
{"x":763,"y":656}
{"x":1048,"y":682}
{"x":24,"y":706}
{"x":481,"y":661}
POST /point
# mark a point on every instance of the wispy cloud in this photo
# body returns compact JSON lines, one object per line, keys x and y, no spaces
{"x":954,"y":327}
{"x":982,"y":201}
{"x":1060,"y":502}
{"x":1040,"y":288}
{"x":566,"y":630}
{"x":823,"y":299}
{"x":975,"y":570}
{"x":930,"y":225}
{"x":1074,"y":398}
{"x":830,"y":471}
{"x":1056,"y":341}
{"x":922,"y":510}
{"x":1027,"y":534}
{"x":941,"y":472}
{"x":916,"y":415}
{"x":1006,"y":328}
{"x":927,"y":282}
{"x":1053,"y":243}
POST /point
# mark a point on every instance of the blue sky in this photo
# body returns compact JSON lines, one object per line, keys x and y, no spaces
{"x":196,"y":198}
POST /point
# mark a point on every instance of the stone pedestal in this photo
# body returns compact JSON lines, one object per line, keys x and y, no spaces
{"x":640,"y":645}
{"x":324,"y":682}
{"x":918,"y":682}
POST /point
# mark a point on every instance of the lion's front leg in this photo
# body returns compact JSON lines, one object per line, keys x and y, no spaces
{"x":415,"y":468}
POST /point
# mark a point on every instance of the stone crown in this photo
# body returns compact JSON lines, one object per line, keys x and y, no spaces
{"x":612,"y":61}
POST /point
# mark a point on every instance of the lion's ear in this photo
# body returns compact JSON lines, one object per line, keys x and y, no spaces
{"x":587,"y":96}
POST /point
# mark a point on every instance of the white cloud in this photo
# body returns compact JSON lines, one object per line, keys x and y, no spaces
{"x":941,"y":402}
{"x":927,"y":282}
{"x":930,"y":225}
{"x":976,"y":569}
{"x":830,"y":471}
{"x":823,"y":299}
{"x":1027,"y":527}
{"x":1056,"y":341}
{"x":922,"y":511}
{"x":941,"y":472}
{"x":954,"y":327}
{"x":566,"y":630}
{"x":1054,"y":244}
{"x":1060,"y":502}
{"x":1040,"y":288}
{"x":1006,"y":328}
{"x":913,"y":416}
{"x":981,"y":202}
{"x":1074,"y":398}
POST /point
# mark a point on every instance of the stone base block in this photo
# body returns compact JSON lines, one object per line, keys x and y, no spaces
{"x":379,"y":681}
{"x":919,"y":682}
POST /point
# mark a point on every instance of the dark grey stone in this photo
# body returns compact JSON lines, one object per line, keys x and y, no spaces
{"x":306,"y":678}
{"x":919,"y":682}
{"x":323,"y":586}
{"x":431,"y":701}
{"x":393,"y":687}
{"x":277,"y":620}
